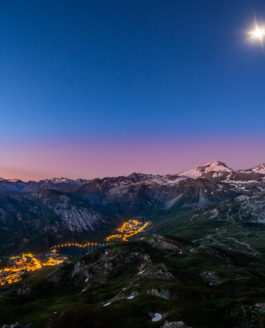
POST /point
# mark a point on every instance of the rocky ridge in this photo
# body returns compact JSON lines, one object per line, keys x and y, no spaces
{"x":59,"y":209}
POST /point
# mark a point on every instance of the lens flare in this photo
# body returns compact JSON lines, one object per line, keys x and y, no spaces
{"x":258,"y":33}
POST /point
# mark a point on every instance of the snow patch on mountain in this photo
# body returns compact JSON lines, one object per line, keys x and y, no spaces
{"x":202,"y":200}
{"x":169,"y":204}
{"x":259,"y":169}
{"x":63,"y":180}
{"x":166,"y":180}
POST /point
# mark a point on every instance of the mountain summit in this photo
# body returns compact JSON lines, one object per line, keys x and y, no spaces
{"x":259,"y":169}
{"x":214,"y":166}
{"x":67,"y":208}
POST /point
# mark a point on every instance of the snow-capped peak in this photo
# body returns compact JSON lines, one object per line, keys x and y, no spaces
{"x":60,"y":180}
{"x":9,"y":180}
{"x":214,"y":166}
{"x":259,"y":169}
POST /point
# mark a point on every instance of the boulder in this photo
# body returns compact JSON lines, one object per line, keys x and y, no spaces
{"x":174,"y":324}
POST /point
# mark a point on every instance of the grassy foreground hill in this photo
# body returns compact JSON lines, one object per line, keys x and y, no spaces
{"x":209,"y":272}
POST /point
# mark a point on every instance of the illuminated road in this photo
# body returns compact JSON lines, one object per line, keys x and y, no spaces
{"x":69,"y":244}
{"x":125,"y":231}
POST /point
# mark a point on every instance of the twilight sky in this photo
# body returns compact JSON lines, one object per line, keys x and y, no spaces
{"x":97,"y":88}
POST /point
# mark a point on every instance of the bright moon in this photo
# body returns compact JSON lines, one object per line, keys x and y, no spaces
{"x":258,"y":33}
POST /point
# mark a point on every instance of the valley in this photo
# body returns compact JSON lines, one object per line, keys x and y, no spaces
{"x":196,"y":260}
{"x":37,"y":215}
{"x":21,"y":265}
{"x":132,"y":172}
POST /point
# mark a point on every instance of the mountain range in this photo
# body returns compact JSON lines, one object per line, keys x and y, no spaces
{"x":200,"y":263}
{"x":219,"y":168}
{"x":34,"y":215}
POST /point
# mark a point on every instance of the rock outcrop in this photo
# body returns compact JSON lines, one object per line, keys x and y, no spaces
{"x":100,"y":265}
{"x":174,"y":324}
{"x":18,"y":325}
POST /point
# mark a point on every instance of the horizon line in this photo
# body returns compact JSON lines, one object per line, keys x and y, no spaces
{"x":122,"y":175}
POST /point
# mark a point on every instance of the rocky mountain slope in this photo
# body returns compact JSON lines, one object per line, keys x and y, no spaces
{"x":200,"y":264}
{"x":41,"y":213}
{"x":157,"y":281}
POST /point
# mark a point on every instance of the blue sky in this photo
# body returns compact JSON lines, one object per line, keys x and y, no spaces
{"x":129,"y":70}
